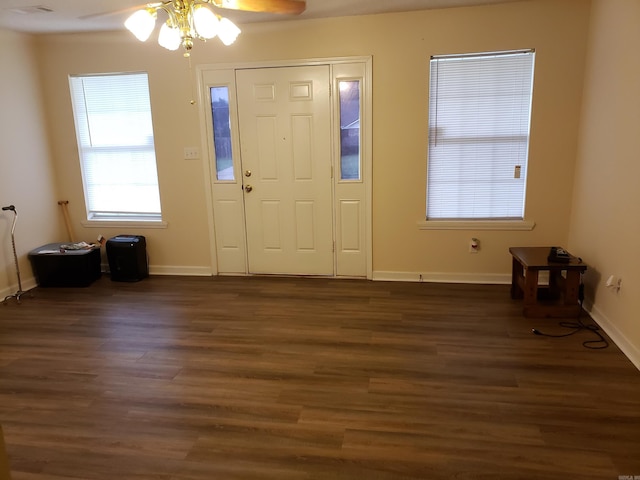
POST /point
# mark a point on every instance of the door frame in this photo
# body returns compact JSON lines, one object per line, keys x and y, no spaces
{"x":234,"y":260}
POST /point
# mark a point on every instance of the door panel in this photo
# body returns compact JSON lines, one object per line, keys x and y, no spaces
{"x":302,"y":135}
{"x":266,"y":152}
{"x":305,"y":226}
{"x":285,"y":142}
{"x":349,"y":212}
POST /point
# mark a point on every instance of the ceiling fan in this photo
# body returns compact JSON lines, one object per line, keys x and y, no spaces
{"x":292,"y":7}
{"x":193,"y":19}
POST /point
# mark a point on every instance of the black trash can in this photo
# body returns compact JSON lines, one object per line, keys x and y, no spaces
{"x":127,"y":256}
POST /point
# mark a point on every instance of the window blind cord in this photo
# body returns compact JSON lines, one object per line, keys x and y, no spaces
{"x":579,"y":326}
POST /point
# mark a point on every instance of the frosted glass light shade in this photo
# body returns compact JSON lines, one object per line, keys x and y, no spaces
{"x":205,"y":22}
{"x":169,"y":37}
{"x":228,"y":31}
{"x":141,"y":24}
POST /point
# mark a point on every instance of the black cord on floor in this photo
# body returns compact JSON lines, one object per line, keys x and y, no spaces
{"x":579,"y":326}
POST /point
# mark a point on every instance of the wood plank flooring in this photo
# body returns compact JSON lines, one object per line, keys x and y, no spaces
{"x":181,"y":378}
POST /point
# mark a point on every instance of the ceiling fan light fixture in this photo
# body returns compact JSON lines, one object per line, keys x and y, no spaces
{"x":205,"y":22}
{"x":228,"y":31}
{"x":194,"y":19}
{"x":169,"y":37}
{"x":141,"y":24}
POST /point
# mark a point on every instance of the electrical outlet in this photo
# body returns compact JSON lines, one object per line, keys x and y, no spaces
{"x":614,"y":283}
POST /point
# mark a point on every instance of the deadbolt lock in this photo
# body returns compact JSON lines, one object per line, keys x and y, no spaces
{"x":247,"y":173}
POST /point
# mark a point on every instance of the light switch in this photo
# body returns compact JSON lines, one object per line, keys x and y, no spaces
{"x":191,"y":153}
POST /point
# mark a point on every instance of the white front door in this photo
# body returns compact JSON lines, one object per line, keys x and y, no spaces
{"x":285,"y":143}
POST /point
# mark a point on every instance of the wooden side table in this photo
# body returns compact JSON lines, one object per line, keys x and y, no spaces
{"x":560,"y":299}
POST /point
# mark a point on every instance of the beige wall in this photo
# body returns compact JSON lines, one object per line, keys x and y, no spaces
{"x":400,"y":45}
{"x":606,"y":207}
{"x":26,"y":174}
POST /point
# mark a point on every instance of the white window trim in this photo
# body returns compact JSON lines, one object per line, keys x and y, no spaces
{"x":124,"y":224}
{"x":476,"y":225}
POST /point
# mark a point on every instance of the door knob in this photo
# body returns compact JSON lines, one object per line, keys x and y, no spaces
{"x":247,"y":173}
{"x":248,"y":188}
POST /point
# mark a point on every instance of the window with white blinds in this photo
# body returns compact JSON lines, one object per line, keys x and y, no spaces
{"x":479,"y":117}
{"x":115,"y":141}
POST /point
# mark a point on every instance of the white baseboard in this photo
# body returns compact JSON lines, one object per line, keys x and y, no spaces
{"x":631,"y":351}
{"x":182,"y":271}
{"x":178,"y":271}
{"x":31,"y":282}
{"x":27,"y":285}
{"x":437,"y":277}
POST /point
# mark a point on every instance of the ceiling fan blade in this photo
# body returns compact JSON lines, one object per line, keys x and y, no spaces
{"x":120,"y":11}
{"x":292,"y":7}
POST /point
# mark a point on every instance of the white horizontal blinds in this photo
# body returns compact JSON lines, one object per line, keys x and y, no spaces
{"x":479,"y":119}
{"x":115,"y":139}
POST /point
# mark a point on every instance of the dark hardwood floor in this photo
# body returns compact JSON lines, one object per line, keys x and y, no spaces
{"x":298,"y":378}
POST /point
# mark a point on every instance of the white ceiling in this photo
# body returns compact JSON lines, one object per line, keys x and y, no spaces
{"x":46,"y":16}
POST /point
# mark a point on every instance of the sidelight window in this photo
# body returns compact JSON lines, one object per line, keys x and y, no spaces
{"x":350,"y":139}
{"x":222,"y":132}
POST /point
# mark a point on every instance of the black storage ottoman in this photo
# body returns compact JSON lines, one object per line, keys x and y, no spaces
{"x":127,"y":256}
{"x":56,"y":267}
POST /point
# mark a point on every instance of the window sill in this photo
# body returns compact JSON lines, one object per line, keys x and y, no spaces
{"x":476,"y":225}
{"x":124,"y":223}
